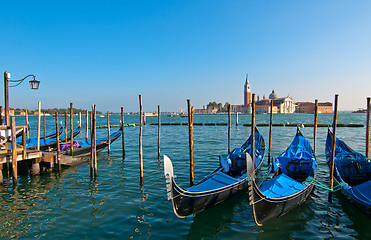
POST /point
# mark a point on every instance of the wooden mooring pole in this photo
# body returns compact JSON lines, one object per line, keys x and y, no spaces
{"x":95,"y":142}
{"x":159,"y":132}
{"x":6,"y":98}
{"x":87,"y":126}
{"x":44,"y":117}
{"x":14,"y":151}
{"x":270,"y":132}
{"x":1,"y":120}
{"x":253,"y":131}
{"x":123,"y":132}
{"x":91,"y":123}
{"x":71,"y":127}
{"x":332,"y":162}
{"x":190,"y":130}
{"x":27,"y":125}
{"x":93,"y":153}
{"x":140,"y":138}
{"x":38,"y":125}
{"x":236,"y":118}
{"x":58,"y":147}
{"x":24,"y":142}
{"x":109,"y":133}
{"x":65,"y":126}
{"x":315,"y":126}
{"x":229,"y":128}
{"x":368,"y":128}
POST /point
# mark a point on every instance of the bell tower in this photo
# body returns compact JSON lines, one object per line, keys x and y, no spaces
{"x":247,"y":92}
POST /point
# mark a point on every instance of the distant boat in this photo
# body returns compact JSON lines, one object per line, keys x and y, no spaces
{"x":360,"y":110}
{"x":178,"y":115}
{"x":150,"y":114}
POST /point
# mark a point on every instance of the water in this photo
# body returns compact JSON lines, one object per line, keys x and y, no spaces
{"x":117,"y":206}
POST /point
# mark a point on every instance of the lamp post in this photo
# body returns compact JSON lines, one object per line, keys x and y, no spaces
{"x":34,"y":84}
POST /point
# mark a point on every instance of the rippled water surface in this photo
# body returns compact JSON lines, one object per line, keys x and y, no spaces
{"x":117,"y":206}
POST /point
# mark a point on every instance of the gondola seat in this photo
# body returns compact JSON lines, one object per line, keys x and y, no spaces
{"x":299,"y":169}
{"x":355,"y":172}
{"x":280,"y":186}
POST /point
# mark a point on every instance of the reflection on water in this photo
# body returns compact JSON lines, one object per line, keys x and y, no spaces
{"x":120,"y":205}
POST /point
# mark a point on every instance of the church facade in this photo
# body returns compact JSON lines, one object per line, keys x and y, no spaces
{"x":284,"y":105}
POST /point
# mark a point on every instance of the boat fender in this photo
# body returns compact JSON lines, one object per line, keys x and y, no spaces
{"x":169,"y":175}
{"x":249,"y":165}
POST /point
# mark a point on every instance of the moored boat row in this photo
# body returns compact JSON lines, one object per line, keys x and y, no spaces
{"x":291,"y":180}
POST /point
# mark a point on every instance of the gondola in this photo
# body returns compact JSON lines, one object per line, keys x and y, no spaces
{"x":227,"y":180}
{"x":54,"y":134}
{"x":49,"y":143}
{"x":289,"y":183}
{"x":352,"y":171}
{"x":51,"y":135}
{"x":83,"y":148}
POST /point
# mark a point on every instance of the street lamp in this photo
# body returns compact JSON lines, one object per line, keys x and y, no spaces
{"x":34,"y":84}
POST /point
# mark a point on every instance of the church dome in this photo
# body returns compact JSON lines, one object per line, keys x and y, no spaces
{"x":273,"y":95}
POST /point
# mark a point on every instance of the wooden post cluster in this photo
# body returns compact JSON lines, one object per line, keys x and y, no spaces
{"x":368,"y":127}
{"x":315,"y":126}
{"x":122,"y":129}
{"x":38,"y":125}
{"x":109,"y":133}
{"x":57,"y":136}
{"x":190,"y":130}
{"x":93,"y":153}
{"x":332,"y":163}
{"x":159,"y":132}
{"x":229,"y":128}
{"x":253,"y":131}
{"x":140,"y":138}
{"x":270,"y":132}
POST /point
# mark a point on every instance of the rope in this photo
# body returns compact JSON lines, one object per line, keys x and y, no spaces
{"x":321,"y":185}
{"x":264,"y":179}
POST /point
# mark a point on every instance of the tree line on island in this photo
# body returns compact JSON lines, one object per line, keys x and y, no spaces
{"x":219,"y":106}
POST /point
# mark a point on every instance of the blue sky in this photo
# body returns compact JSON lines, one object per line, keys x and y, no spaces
{"x":108,"y":52}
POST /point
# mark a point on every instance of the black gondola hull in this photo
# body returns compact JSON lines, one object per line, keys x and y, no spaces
{"x":265,"y":209}
{"x":186,"y":203}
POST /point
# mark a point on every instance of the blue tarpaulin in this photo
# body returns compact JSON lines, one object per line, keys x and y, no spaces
{"x":280,"y":186}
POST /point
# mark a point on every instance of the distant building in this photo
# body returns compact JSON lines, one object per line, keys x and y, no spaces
{"x":247,"y":92}
{"x":283,"y":105}
{"x":205,"y":110}
{"x":309,"y":107}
